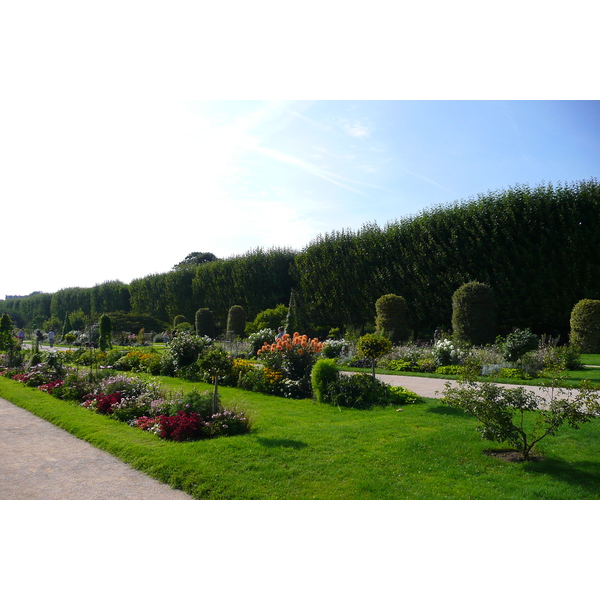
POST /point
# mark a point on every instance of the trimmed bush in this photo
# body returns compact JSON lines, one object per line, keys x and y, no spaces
{"x":323,"y":373}
{"x":391,"y":318}
{"x":585,"y":326}
{"x":474,"y":314}
{"x":205,"y":322}
{"x":236,"y":322}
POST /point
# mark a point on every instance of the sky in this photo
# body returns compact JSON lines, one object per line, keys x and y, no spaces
{"x":134,"y":135}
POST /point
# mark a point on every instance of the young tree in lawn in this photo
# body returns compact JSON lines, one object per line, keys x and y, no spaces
{"x":373,"y":346}
{"x":217,"y":363}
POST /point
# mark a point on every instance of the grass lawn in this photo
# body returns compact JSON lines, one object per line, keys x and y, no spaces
{"x":303,"y":450}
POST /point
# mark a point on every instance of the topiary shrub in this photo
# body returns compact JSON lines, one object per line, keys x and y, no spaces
{"x":205,"y":322}
{"x":585,"y":326}
{"x":236,"y":322}
{"x":391,"y":317}
{"x":323,"y":373}
{"x":474,"y":314}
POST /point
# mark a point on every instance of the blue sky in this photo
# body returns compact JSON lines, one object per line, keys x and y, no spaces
{"x":127,"y":140}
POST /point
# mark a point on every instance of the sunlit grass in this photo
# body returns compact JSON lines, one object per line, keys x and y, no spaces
{"x":299,"y":449}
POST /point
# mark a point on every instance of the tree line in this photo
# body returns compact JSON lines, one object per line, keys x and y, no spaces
{"x":537,"y":247}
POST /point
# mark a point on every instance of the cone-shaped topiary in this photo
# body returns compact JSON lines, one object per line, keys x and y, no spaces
{"x":585,"y":326}
{"x":205,"y":322}
{"x":236,"y":321}
{"x":391,"y":317}
{"x":474,"y":314}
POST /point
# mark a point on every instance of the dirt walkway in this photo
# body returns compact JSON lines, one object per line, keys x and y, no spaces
{"x":39,"y":461}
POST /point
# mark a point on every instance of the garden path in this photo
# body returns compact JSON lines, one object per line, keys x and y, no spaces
{"x":39,"y":461}
{"x":428,"y":387}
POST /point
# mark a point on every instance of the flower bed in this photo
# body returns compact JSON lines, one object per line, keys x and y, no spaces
{"x":138,"y":402}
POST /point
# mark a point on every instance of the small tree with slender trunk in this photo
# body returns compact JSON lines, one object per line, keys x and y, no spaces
{"x":373,"y":346}
{"x":217,"y":363}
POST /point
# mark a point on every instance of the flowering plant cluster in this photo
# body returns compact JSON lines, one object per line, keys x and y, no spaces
{"x":336,"y":348}
{"x":445,"y":352}
{"x":50,"y":386}
{"x":293,"y":356}
{"x":259,"y":339}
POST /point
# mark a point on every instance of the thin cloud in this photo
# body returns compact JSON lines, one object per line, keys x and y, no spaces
{"x":426,"y":179}
{"x":356,"y":130}
{"x":312,"y":169}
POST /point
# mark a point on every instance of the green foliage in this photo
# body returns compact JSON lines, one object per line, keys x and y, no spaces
{"x":502,"y":411}
{"x":474,"y":314}
{"x":518,"y":343}
{"x":194,"y":259}
{"x":184,"y":326}
{"x":585,"y":326}
{"x":78,"y":320}
{"x":178,"y":319}
{"x":256,"y":280}
{"x":105,"y":332}
{"x":133,"y":322}
{"x":373,"y":346}
{"x":7,"y":339}
{"x":323,"y":373}
{"x":181,"y":354}
{"x":360,"y":391}
{"x":236,"y":321}
{"x":205,"y":323}
{"x":451,"y":370}
{"x":296,"y":318}
{"x":391,"y":317}
{"x":270,"y":318}
{"x":218,"y":364}
{"x":335,"y":348}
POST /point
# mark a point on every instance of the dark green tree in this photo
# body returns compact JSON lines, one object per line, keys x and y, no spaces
{"x":205,"y":322}
{"x":105,"y":333}
{"x":474,"y":314}
{"x":195,"y":258}
{"x":391,"y":317}
{"x":7,"y":339}
{"x":236,"y":321}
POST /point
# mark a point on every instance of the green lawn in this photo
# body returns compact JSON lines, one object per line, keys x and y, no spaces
{"x":302,"y":450}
